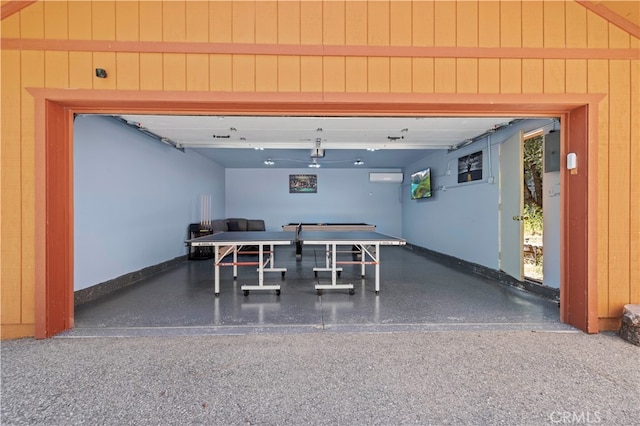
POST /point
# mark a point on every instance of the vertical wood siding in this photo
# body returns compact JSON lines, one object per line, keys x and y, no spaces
{"x":468,"y":24}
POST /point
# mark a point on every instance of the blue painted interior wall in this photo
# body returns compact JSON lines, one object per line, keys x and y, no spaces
{"x":133,"y":199}
{"x":460,"y":220}
{"x":344,"y":195}
{"x":135,"y":196}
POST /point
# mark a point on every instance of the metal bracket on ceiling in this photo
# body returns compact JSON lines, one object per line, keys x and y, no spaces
{"x":481,"y":136}
{"x":149,"y":133}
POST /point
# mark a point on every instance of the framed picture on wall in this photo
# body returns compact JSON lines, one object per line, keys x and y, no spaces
{"x":303,"y":184}
{"x":470,"y":167}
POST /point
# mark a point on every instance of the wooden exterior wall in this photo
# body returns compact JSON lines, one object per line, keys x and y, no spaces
{"x":300,"y":47}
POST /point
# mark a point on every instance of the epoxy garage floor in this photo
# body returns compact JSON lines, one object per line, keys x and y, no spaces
{"x":416,"y":293}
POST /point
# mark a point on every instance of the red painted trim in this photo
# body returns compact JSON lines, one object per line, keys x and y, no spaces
{"x":13,"y":7}
{"x":317,"y":50}
{"x":592,"y":218}
{"x":272,"y":103}
{"x":579,"y":293}
{"x":54,"y":197}
{"x":59,"y":216}
{"x":54,"y":221}
{"x":611,"y":16}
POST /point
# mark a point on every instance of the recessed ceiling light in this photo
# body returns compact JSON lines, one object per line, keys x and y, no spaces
{"x":358,"y":162}
{"x":269,"y":162}
{"x":258,"y":148}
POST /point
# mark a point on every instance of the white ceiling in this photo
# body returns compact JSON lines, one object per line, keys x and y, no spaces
{"x":247,"y":141}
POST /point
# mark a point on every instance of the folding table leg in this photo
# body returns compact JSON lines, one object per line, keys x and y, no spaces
{"x":262,"y":270}
{"x":332,"y":266}
{"x":377,"y":260}
{"x":235,"y":262}
{"x":216,"y":272}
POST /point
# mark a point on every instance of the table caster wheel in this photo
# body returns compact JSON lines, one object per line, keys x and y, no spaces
{"x":245,"y":292}
{"x":352,"y":291}
{"x":217,"y":294}
{"x":282,"y":274}
{"x":277,"y":292}
{"x":315,"y":274}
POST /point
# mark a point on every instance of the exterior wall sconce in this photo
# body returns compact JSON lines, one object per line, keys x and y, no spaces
{"x":101,"y":73}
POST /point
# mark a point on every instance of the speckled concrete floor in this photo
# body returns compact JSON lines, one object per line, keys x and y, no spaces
{"x":417,"y":293}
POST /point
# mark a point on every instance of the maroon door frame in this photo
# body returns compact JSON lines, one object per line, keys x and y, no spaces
{"x":579,"y":203}
{"x":54,"y":171}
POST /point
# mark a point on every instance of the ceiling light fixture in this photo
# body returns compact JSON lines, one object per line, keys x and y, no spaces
{"x":269,"y":162}
{"x":358,"y":162}
{"x":314,"y":164}
{"x":372,"y":149}
{"x":258,"y":148}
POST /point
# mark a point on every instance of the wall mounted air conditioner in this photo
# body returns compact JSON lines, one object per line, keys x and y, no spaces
{"x":385,"y":177}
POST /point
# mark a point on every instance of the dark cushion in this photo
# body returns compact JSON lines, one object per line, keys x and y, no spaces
{"x":233,"y":225}
{"x":255,"y":225}
{"x":239,"y":225}
{"x":219,"y":225}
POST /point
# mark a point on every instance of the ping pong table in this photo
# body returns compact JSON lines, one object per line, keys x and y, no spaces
{"x":366,"y":242}
{"x":230,"y":243}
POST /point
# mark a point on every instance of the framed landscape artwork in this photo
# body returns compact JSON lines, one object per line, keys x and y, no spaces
{"x":303,"y":184}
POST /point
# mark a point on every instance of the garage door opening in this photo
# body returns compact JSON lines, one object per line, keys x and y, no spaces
{"x":140,"y":192}
{"x":56,"y":192}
